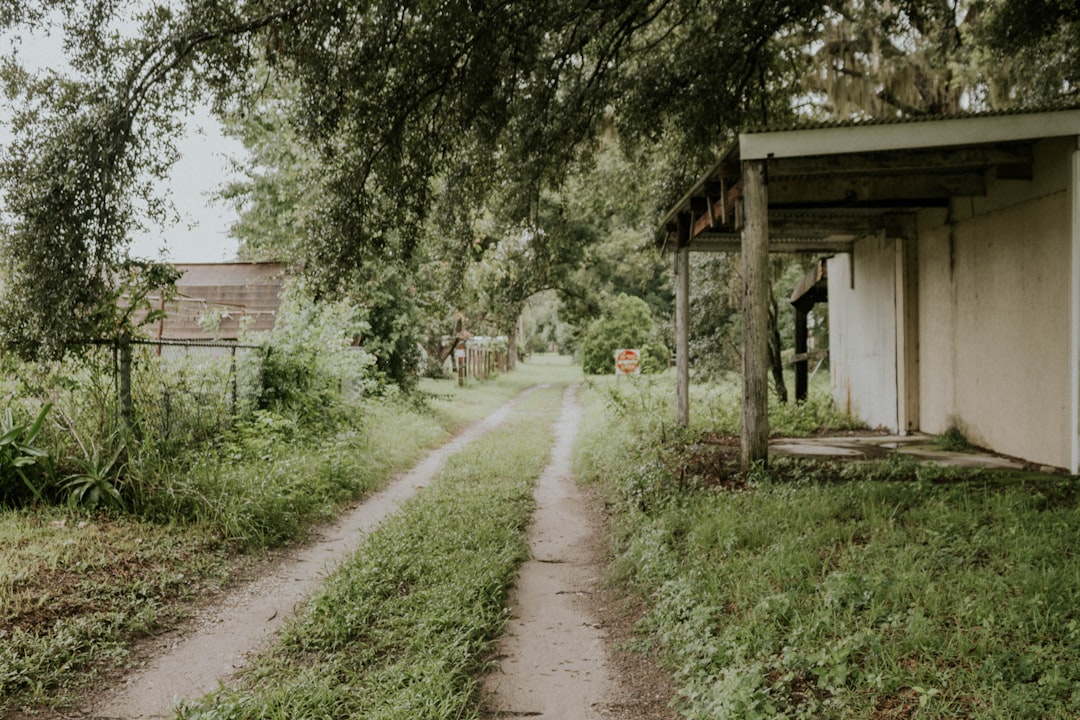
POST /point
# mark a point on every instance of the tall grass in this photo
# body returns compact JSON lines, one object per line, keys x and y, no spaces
{"x":461,"y":405}
{"x":647,"y":404}
{"x":401,"y":629}
{"x":883,"y":590}
{"x":75,"y":589}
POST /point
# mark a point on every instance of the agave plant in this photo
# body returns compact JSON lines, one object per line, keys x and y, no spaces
{"x":93,"y":484}
{"x":17,"y":451}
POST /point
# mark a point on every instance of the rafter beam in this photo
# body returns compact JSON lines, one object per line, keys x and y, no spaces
{"x":857,"y":191}
{"x":732,"y":244}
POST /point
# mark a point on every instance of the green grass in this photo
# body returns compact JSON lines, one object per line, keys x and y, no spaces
{"x":77,"y":588}
{"x":402,"y":628}
{"x":884,"y":590}
{"x":273,"y":484}
{"x":461,"y":405}
{"x":647,"y":404}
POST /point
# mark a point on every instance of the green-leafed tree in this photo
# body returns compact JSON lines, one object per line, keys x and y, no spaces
{"x":612,"y":192}
{"x":1034,"y":47}
{"x":429,"y":114}
{"x":390,"y":98}
{"x":276,"y":194}
{"x":624,"y":322}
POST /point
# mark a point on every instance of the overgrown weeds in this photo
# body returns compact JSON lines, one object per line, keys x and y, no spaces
{"x":886,"y":589}
{"x":78,"y":586}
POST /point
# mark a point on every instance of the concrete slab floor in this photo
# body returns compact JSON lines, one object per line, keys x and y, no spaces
{"x":876,"y":447}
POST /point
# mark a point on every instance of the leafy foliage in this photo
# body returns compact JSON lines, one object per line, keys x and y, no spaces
{"x":393,"y":138}
{"x":398,"y":110}
{"x":18,"y":453}
{"x":310,"y":358}
{"x":95,"y":482}
{"x":1035,"y":44}
{"x":626,"y":323}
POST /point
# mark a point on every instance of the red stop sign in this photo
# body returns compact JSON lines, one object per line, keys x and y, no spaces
{"x":627,"y":361}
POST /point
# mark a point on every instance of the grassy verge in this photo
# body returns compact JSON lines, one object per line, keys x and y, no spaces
{"x":647,"y":403}
{"x":77,"y":588}
{"x":461,"y":405}
{"x":884,"y":590}
{"x":401,"y":629}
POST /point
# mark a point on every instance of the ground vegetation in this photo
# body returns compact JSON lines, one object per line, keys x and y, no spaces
{"x":81,"y":584}
{"x":880,"y":589}
{"x":403,"y":629}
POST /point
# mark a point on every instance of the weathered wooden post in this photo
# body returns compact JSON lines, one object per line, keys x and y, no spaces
{"x":232,"y":382}
{"x":459,"y":362}
{"x":682,"y":321}
{"x":755,"y":314}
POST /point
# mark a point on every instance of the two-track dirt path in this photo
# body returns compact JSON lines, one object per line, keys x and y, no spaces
{"x":556,"y":657}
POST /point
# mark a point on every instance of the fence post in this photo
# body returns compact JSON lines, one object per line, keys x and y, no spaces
{"x":232,"y":382}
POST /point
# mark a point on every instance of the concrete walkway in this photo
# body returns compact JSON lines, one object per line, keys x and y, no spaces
{"x":553,"y":660}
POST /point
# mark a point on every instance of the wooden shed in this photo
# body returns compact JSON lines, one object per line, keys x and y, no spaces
{"x":229,"y":296}
{"x":953,"y":272}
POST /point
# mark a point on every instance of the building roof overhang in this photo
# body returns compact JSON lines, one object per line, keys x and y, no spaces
{"x":829,"y":185}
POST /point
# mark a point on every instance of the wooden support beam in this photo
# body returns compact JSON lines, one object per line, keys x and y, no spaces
{"x":1074,"y":316}
{"x":907,"y":335}
{"x":733,"y":244}
{"x":712,"y":215}
{"x":682,"y":323}
{"x":892,"y":162}
{"x":755,"y":314}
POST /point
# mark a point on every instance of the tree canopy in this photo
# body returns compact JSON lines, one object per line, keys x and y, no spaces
{"x":414,"y":121}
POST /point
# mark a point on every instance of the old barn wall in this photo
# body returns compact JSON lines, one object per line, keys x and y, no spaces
{"x":862,"y":328}
{"x":994,"y":298}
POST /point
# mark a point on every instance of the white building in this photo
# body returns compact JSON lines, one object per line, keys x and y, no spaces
{"x":954,"y":270}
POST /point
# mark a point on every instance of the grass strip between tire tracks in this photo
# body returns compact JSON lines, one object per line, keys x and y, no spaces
{"x":402,"y":628}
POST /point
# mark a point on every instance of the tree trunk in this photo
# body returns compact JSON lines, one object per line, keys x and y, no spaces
{"x":511,"y":345}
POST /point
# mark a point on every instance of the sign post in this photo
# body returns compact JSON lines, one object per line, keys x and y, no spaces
{"x":627,"y":362}
{"x":459,"y":360}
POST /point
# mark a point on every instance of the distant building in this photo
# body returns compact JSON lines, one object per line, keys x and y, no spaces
{"x":218,"y":301}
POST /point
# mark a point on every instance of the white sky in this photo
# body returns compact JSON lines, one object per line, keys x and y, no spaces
{"x":203,"y":235}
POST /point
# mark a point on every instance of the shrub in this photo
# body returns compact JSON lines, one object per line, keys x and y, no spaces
{"x":625,"y":323}
{"x":18,"y":454}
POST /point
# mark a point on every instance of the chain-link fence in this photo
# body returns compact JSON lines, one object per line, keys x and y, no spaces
{"x":183,"y":392}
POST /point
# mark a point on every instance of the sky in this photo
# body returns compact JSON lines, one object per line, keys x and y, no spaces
{"x":203,"y":234}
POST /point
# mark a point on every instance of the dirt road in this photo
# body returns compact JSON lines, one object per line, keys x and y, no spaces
{"x":556,"y":657}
